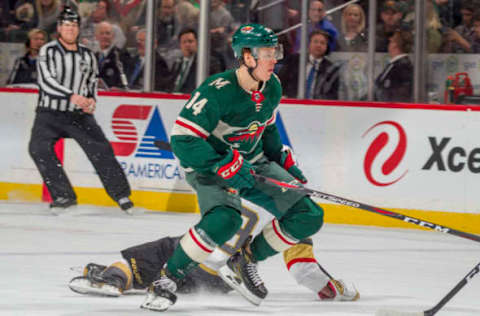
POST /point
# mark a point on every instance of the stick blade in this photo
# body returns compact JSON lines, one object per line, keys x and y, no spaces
{"x":390,"y":312}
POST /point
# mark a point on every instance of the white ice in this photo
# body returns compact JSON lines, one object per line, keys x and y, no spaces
{"x":401,"y":269}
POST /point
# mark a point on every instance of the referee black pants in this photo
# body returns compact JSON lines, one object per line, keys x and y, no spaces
{"x":49,"y":127}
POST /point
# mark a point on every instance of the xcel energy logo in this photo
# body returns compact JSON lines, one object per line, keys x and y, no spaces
{"x":385,"y":153}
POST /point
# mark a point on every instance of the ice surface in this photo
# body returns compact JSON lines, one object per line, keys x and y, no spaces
{"x":407,"y":270}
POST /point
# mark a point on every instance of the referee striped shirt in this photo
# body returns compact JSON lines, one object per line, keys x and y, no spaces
{"x":63,"y":72}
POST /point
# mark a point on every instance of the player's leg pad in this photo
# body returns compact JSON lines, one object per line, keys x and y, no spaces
{"x":161,"y":293}
{"x":303,"y":219}
{"x":337,"y":290}
{"x":240,"y":273}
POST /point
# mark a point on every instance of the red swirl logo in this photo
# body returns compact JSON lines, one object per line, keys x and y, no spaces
{"x":392,"y":161}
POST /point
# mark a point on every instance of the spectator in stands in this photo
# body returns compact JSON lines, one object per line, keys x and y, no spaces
{"x":111,"y":60}
{"x":136,"y":66}
{"x":322,"y":81}
{"x":129,"y":14}
{"x":221,"y":28}
{"x":168,"y":26}
{"x":187,"y":15}
{"x":433,"y":29}
{"x":476,"y":32}
{"x":317,"y":21}
{"x":24,"y":19}
{"x":391,"y":15}
{"x":353,"y":37}
{"x":443,"y":8}
{"x":5,"y":16}
{"x":25,"y":67}
{"x":459,"y":39}
{"x":47,"y":11}
{"x":100,"y":14}
{"x":395,"y":82}
{"x":184,"y":69}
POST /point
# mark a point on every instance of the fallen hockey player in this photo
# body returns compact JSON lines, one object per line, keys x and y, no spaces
{"x":140,"y":264}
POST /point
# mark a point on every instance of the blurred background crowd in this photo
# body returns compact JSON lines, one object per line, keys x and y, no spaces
{"x":337,"y":45}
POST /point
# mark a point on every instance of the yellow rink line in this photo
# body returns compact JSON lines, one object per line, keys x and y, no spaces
{"x":185,"y":202}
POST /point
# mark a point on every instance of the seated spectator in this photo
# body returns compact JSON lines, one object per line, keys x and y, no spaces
{"x":433,"y":29}
{"x":111,"y":60}
{"x":24,"y":18}
{"x":476,"y":32}
{"x":168,"y":26}
{"x":184,"y":69}
{"x":459,"y":39}
{"x":322,"y":80}
{"x":353,"y":37}
{"x":221,"y":29}
{"x":391,"y":15}
{"x":48,"y":11}
{"x":187,"y":15}
{"x":317,"y":21}
{"x":442,"y":7}
{"x":129,"y":14}
{"x":395,"y":82}
{"x":25,"y":67}
{"x":5,"y":16}
{"x":100,"y":14}
{"x":136,"y":66}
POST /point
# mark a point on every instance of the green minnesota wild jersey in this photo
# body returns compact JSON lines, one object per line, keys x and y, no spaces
{"x":221,"y":115}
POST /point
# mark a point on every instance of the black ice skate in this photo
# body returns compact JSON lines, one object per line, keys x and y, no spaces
{"x":97,"y":280}
{"x":240,"y":273}
{"x":126,"y":205}
{"x":161,"y":294}
{"x":59,"y":205}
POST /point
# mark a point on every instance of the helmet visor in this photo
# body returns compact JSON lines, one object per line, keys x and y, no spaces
{"x":268,"y":53}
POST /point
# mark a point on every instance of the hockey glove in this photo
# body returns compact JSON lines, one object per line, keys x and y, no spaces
{"x":288,"y":163}
{"x":236,"y":171}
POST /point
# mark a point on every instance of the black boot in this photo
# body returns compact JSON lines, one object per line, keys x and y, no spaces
{"x":240,"y":272}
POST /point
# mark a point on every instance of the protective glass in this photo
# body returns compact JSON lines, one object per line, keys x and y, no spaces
{"x":266,"y":53}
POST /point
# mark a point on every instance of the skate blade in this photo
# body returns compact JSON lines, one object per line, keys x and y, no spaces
{"x":62,"y":211}
{"x":129,"y":211}
{"x":82,"y":285}
{"x":235,"y":283}
{"x":156,"y":303}
{"x":388,"y":312}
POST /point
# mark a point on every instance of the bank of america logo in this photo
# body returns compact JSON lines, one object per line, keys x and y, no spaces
{"x":137,"y":127}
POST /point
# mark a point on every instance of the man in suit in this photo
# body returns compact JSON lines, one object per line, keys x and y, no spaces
{"x":322,"y":79}
{"x":395,"y":82}
{"x":136,"y":66}
{"x":111,"y":60}
{"x":184,"y":69}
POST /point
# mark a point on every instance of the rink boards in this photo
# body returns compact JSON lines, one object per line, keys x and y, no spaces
{"x":421,"y":160}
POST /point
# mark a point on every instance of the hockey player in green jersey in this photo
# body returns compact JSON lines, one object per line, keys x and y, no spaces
{"x":225,"y":133}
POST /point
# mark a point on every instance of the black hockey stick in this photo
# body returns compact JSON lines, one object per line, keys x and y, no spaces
{"x":343,"y":201}
{"x":366,"y":207}
{"x":432,"y":311}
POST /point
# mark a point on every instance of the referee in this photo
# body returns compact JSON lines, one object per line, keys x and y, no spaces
{"x":67,"y":79}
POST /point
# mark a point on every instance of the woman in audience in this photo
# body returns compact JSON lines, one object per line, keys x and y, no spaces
{"x":353,"y":37}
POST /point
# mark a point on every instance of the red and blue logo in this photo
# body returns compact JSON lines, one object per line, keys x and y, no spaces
{"x":136,"y":137}
{"x":382,"y":174}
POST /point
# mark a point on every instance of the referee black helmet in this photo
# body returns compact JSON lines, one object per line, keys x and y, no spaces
{"x":68,"y":15}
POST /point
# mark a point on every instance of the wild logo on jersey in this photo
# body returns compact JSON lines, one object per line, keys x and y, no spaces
{"x":246,"y":139}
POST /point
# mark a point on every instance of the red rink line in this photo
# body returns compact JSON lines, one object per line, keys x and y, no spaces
{"x":155,"y":95}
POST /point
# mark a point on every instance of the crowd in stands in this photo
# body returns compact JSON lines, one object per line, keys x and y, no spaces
{"x":115,"y":31}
